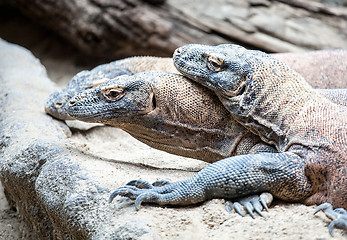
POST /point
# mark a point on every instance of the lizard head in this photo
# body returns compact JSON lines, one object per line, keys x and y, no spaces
{"x":164,"y":110}
{"x":58,"y":101}
{"x":259,"y":90}
{"x":155,"y":97}
{"x":221,"y":68}
{"x":224,"y":69}
{"x":115,"y":99}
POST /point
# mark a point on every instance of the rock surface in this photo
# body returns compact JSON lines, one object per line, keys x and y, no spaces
{"x":115,"y":29}
{"x":60,"y":185}
{"x":38,"y":174}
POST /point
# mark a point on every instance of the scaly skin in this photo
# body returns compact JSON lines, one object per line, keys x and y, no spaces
{"x":160,"y":131}
{"x":315,"y":67}
{"x":187,"y":119}
{"x":56,"y":103}
{"x":156,"y":108}
{"x":276,"y":103}
{"x":321,"y":69}
{"x":168,"y":112}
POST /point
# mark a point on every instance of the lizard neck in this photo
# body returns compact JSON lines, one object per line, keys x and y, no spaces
{"x":176,"y":138}
{"x":272,"y":99}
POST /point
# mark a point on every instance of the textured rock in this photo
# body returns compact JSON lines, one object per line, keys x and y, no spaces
{"x":115,"y":29}
{"x":36,"y":169}
{"x":55,"y":195}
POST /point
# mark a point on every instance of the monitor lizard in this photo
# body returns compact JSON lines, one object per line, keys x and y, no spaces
{"x":91,"y":79}
{"x":171,"y":113}
{"x":274,"y":102}
{"x":316,"y":73}
{"x":55,"y":105}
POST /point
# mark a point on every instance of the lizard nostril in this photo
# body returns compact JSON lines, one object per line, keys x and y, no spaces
{"x":177,"y":52}
{"x":72,"y":102}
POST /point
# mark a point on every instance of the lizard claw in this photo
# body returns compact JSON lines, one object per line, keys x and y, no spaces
{"x":338,"y":216}
{"x":142,"y":184}
{"x":251,"y":203}
{"x":128,"y":191}
{"x":139,"y":195}
{"x":148,"y":197}
{"x":161,"y":192}
{"x":161,"y":182}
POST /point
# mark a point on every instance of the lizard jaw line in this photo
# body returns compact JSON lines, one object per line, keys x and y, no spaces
{"x":194,"y":75}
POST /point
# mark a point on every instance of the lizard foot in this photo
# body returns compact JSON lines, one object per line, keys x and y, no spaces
{"x":220,"y":180}
{"x":338,"y":216}
{"x":161,"y":192}
{"x":251,"y":203}
{"x":142,"y":184}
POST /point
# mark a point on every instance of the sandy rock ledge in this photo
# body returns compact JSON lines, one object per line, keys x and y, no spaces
{"x":49,"y":187}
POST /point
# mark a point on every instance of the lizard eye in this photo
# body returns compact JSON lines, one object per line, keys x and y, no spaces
{"x":114,"y":93}
{"x":215,"y":64}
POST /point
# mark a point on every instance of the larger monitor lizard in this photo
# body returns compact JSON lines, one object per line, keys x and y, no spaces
{"x":161,"y":126}
{"x":277,"y":104}
{"x":169,"y":112}
{"x":316,"y":67}
{"x":208,"y":145}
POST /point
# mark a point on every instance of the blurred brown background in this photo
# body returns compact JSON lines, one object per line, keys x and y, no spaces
{"x":77,"y":34}
{"x":108,"y":30}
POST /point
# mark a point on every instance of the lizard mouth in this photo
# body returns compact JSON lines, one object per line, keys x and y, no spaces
{"x":194,"y":75}
{"x":55,"y":106}
{"x":153,"y":102}
{"x":135,"y":112}
{"x":111,"y":111}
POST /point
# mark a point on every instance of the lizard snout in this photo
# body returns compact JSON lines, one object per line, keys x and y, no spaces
{"x":76,"y":99}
